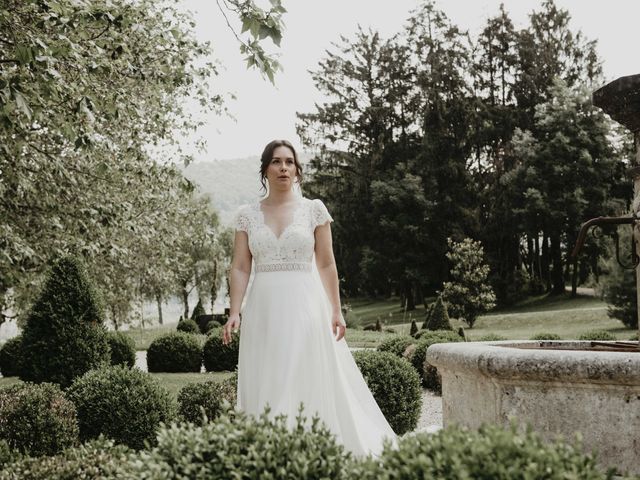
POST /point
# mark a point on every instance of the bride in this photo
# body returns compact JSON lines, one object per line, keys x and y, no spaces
{"x":292,"y":346}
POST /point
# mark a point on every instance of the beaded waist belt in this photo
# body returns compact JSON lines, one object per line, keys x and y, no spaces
{"x":286,"y":266}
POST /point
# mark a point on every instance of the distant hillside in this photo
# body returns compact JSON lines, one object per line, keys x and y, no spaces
{"x":229,"y":183}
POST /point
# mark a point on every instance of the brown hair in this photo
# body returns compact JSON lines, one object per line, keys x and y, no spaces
{"x":267,"y":156}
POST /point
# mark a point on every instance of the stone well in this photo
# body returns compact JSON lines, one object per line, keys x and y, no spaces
{"x":558,"y":387}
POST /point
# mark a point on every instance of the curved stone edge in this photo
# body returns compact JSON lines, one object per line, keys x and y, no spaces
{"x":502,"y":359}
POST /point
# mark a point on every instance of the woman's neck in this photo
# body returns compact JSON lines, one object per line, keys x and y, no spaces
{"x":280,"y":197}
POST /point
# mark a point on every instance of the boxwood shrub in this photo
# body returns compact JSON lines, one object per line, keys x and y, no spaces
{"x":428,"y":373}
{"x":491,"y":337}
{"x":597,"y":335}
{"x":217,"y":356}
{"x":175,"y":352}
{"x":123,"y":349}
{"x":243,"y":446}
{"x":395,"y":385}
{"x":208,"y":396}
{"x":188,"y":326}
{"x":37,"y":419}
{"x":546,"y":336}
{"x":488,"y":453}
{"x":124,"y":404}
{"x":11,"y":357}
{"x":396,"y":344}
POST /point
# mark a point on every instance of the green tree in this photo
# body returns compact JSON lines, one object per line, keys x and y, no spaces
{"x":439,"y":317}
{"x":467,"y":294}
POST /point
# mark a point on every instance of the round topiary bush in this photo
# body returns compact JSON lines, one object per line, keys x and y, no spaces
{"x":243,"y":446}
{"x":124,"y":404}
{"x":217,"y":356}
{"x":397,"y":344}
{"x":597,"y":335}
{"x":64,"y":335}
{"x":37,"y":419}
{"x":175,"y":352}
{"x":491,"y":337}
{"x":395,"y":385}
{"x":123,"y":349}
{"x":428,"y":373}
{"x":212,"y":325}
{"x":209,"y":396}
{"x":11,"y":357}
{"x":188,"y":326}
{"x":488,"y":453}
{"x":546,"y":336}
{"x":96,"y":459}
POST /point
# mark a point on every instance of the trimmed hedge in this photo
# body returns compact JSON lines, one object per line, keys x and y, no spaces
{"x":124,"y":404}
{"x":244,"y":447}
{"x":96,"y":459}
{"x":64,"y":335}
{"x":123,"y":349}
{"x":488,"y":453}
{"x":11,"y":357}
{"x":595,"y":335}
{"x":217,"y":356}
{"x":208,"y":396}
{"x":546,"y":336}
{"x":37,"y":419}
{"x":439,"y":317}
{"x":397,"y":344}
{"x":175,"y":352}
{"x":188,"y":326}
{"x":395,"y":387}
{"x":428,"y":373}
{"x":211,"y":325}
{"x":491,"y":337}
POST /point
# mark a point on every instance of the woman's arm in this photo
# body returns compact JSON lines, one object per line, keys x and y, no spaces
{"x":239,"y":274}
{"x":329,"y":275}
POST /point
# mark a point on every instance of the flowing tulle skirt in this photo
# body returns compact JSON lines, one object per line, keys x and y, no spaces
{"x":288,"y":355}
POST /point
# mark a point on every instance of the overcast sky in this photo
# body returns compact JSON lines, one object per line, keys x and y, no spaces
{"x":264,"y":112}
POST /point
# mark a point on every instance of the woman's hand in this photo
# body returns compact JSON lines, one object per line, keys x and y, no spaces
{"x":233,"y":323}
{"x":339,"y":325}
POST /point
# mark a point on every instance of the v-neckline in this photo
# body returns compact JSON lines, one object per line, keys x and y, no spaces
{"x":293,"y":218}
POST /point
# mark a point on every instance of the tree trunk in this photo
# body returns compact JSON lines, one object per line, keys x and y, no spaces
{"x":411,"y":304}
{"x":557,"y":276}
{"x":159,"y":303}
{"x":185,"y":301}
{"x":574,"y":280}
{"x":546,"y":270}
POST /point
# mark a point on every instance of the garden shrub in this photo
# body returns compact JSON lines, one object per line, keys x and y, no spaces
{"x":188,"y":326}
{"x":428,"y":373}
{"x":491,"y":337}
{"x":37,"y":419}
{"x":634,"y":337}
{"x":124,"y":404}
{"x":11,"y":357}
{"x":395,"y":386}
{"x":488,"y":453}
{"x":397,"y":344}
{"x":244,"y":447}
{"x":7,"y":454}
{"x":64,"y":335}
{"x":217,"y":356}
{"x":197,"y":311}
{"x":414,"y":328}
{"x":209,"y":395}
{"x":427,"y":316}
{"x":546,"y":336}
{"x":123,"y":349}
{"x":175,"y":352}
{"x":211,"y":325}
{"x":96,"y":459}
{"x":439,"y":317}
{"x":596,"y":335}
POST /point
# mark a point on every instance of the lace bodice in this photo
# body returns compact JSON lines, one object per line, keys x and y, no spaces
{"x":293,"y":249}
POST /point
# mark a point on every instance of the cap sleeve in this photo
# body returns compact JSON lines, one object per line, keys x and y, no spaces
{"x":241,"y":220}
{"x":320,"y":214}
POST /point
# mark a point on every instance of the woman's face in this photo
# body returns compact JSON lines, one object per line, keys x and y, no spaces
{"x":281,"y":172}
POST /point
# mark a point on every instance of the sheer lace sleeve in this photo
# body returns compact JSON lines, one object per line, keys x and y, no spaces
{"x":241,"y":220}
{"x":319,"y":213}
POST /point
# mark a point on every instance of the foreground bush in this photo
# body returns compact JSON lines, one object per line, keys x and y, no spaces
{"x":97,"y":459}
{"x":124,"y":404}
{"x":188,"y":326}
{"x":546,"y":336}
{"x":597,"y":335}
{"x":123,"y":349}
{"x":208,"y":396}
{"x":397,"y":344}
{"x":244,"y":447}
{"x":395,"y":386}
{"x":491,"y":337}
{"x":64,"y":335}
{"x":175,"y":352}
{"x":428,"y":373}
{"x":217,"y":356}
{"x":489,"y":453}
{"x":11,"y":357}
{"x":37,"y":419}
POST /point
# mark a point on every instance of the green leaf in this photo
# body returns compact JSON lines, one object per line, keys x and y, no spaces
{"x":22,"y":103}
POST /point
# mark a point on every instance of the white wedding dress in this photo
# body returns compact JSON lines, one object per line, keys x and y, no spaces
{"x":288,"y":353}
